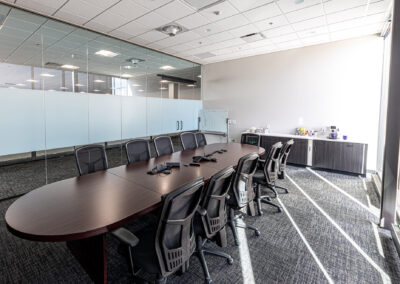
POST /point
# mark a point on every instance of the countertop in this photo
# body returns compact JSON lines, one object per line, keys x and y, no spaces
{"x":308,"y":137}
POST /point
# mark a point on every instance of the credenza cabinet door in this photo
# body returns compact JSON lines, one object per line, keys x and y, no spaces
{"x":340,"y":156}
{"x":298,"y":154}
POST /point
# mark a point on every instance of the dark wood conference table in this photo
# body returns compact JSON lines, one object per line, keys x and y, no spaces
{"x":81,"y":210}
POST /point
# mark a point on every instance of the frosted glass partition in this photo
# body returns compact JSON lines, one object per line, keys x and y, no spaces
{"x":62,"y":87}
{"x":213,"y":120}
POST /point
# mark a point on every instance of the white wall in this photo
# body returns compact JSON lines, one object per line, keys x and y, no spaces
{"x":330,"y":84}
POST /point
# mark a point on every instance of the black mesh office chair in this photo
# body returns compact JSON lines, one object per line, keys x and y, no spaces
{"x":188,"y":141}
{"x":242,"y":193}
{"x":212,"y":218}
{"x":166,"y":248}
{"x":267,"y":177}
{"x":250,"y":138}
{"x":283,"y":156}
{"x":137,"y":150}
{"x":163,"y":145}
{"x":90,"y":159}
{"x":201,"y":139}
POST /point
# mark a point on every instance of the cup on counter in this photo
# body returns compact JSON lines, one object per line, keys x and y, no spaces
{"x":344,"y":137}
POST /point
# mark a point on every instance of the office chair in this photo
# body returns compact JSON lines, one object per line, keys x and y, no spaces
{"x":166,"y":248}
{"x":163,"y":145}
{"x":201,"y":139}
{"x":250,"y":138}
{"x":267,"y":177}
{"x":243,"y":194}
{"x":137,"y":150}
{"x":211,"y":218}
{"x":90,"y":159}
{"x":188,"y":141}
{"x":283,"y":156}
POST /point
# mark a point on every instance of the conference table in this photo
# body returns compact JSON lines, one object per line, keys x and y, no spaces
{"x":81,"y":210}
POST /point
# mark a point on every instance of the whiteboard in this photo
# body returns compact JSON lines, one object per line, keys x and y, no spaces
{"x":213,"y":120}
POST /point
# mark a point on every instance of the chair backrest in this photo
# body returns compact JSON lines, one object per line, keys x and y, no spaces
{"x":214,"y":202}
{"x":271,"y":165}
{"x":188,"y":141}
{"x":175,"y":240}
{"x":137,"y":150}
{"x":242,"y":186}
{"x":163,"y":145}
{"x":250,"y":138}
{"x":201,"y":139}
{"x":283,"y":156}
{"x":90,"y":159}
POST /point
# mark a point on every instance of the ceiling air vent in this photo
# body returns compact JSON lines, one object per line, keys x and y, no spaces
{"x":252,"y":37}
{"x":172,"y":29}
{"x":203,"y":4}
{"x":204,"y":55}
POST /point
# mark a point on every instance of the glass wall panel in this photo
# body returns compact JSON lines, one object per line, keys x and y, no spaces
{"x":62,"y":87}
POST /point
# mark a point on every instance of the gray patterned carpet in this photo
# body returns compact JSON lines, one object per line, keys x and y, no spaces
{"x":330,"y":227}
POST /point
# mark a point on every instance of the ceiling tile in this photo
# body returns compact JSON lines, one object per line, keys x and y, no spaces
{"x":306,"y":13}
{"x":152,"y":20}
{"x":152,"y":4}
{"x":278,"y":31}
{"x":334,"y":6}
{"x":180,"y":38}
{"x":220,"y":37}
{"x":103,"y":3}
{"x":193,"y":21}
{"x":346,"y":15}
{"x":260,"y":43}
{"x":153,"y":36}
{"x":107,"y":21}
{"x":181,"y":47}
{"x":379,"y":7}
{"x":209,"y":29}
{"x":289,"y":44}
{"x":244,"y":30}
{"x":313,"y":32}
{"x":288,"y":37}
{"x":174,"y":10}
{"x":264,"y":12}
{"x":81,"y":9}
{"x":356,"y":32}
{"x":272,"y":23}
{"x":120,"y":34}
{"x":244,"y":5}
{"x":309,"y":24}
{"x":133,"y":28}
{"x":378,"y":18}
{"x":139,"y":40}
{"x":225,"y":10}
{"x":43,"y":6}
{"x":233,"y":22}
{"x":128,"y":9}
{"x":71,"y":18}
{"x":290,"y":5}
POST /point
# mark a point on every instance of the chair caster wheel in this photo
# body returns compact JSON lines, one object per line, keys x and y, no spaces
{"x":208,"y":280}
{"x":257,"y":233}
{"x":237,"y":244}
{"x":260,"y":213}
{"x":230,"y":261}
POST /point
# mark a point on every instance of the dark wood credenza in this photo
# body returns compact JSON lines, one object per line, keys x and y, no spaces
{"x":338,"y":155}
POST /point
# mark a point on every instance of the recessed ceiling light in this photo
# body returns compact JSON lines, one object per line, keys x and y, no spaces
{"x":128,"y":67}
{"x":96,"y":90}
{"x":21,"y":85}
{"x":191,"y":85}
{"x":51,"y":90}
{"x":125,"y":75}
{"x":68,"y":66}
{"x":167,"y":67}
{"x":164,"y":81}
{"x":32,"y":81}
{"x":135,"y":85}
{"x":63,"y":88}
{"x":140,"y":90}
{"x":163,"y":88}
{"x":79,"y":85}
{"x":199,"y":76}
{"x":82,"y":92}
{"x":47,"y":75}
{"x":99,"y":81}
{"x":106,"y":53}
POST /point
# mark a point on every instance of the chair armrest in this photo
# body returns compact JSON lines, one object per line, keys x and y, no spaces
{"x":126,"y":237}
{"x":202,"y":211}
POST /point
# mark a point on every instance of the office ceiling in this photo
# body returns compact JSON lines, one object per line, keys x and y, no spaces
{"x":214,"y":32}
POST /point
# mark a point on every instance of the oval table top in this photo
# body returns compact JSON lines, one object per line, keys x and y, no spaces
{"x":97,"y":203}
